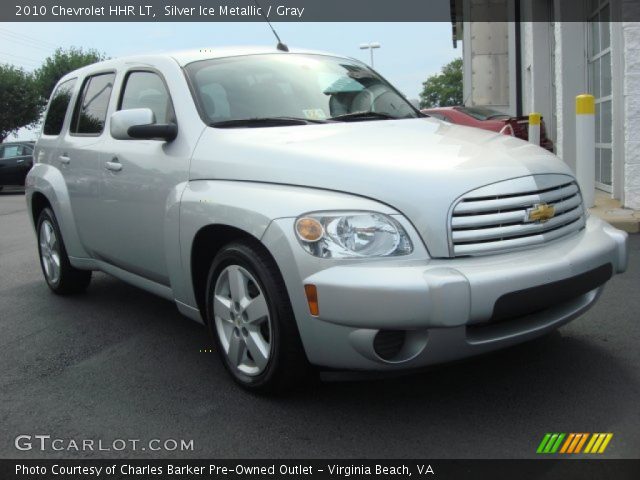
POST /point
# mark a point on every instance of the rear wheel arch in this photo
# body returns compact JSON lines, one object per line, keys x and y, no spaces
{"x":38,"y":203}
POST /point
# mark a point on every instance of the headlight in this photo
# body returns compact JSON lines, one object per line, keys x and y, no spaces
{"x":352,"y":235}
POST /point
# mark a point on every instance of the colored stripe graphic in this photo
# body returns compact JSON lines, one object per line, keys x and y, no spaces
{"x":550,"y":443}
{"x":604,"y":445}
{"x":598,"y":443}
{"x":543,"y":443}
{"x":573,"y":443}
{"x":591,"y":442}
{"x":567,"y":443}
{"x":581,"y":442}
{"x":556,"y":445}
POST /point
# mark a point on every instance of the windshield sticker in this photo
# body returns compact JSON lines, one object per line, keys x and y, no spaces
{"x":314,"y":114}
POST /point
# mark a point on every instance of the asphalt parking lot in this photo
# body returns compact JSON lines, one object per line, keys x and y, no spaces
{"x":117,"y":362}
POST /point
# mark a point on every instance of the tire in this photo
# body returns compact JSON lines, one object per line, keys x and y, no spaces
{"x":252,"y":323}
{"x":62,"y":278}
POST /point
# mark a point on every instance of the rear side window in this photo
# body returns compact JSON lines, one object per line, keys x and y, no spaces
{"x":91,"y":108}
{"x":147,"y":90}
{"x":58,"y":108}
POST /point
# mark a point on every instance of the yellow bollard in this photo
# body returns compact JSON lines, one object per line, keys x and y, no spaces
{"x":535,"y":119}
{"x":586,"y":147}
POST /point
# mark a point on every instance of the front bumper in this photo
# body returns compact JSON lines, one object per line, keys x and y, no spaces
{"x":442,"y":309}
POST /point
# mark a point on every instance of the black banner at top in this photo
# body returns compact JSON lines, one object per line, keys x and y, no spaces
{"x":309,"y":10}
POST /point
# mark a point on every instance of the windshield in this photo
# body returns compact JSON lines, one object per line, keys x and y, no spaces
{"x":310,"y":87}
{"x":481,"y":113}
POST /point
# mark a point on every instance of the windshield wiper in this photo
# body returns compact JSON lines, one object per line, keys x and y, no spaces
{"x":264,"y":122}
{"x":364,"y":115}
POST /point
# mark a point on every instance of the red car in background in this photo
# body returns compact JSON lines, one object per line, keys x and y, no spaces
{"x":487,"y":119}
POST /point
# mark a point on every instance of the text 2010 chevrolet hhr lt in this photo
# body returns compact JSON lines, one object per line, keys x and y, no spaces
{"x":302,"y":209}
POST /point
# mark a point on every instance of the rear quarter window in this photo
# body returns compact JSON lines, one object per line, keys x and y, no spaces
{"x":58,"y":107}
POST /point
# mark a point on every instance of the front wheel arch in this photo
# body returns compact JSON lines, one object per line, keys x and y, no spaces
{"x":208,"y":241}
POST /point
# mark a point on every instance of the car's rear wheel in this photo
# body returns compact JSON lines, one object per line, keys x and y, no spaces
{"x":61,"y":277}
{"x":251,"y":320}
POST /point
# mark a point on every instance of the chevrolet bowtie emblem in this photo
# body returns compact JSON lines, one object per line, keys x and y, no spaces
{"x":541,"y":212}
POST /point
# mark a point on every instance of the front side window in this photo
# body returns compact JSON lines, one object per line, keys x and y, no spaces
{"x":58,"y":108}
{"x":12,"y":151}
{"x":311,"y":87}
{"x":91,"y":109}
{"x":147,"y":90}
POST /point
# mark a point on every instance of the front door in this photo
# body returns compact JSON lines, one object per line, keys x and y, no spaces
{"x":138,"y":178}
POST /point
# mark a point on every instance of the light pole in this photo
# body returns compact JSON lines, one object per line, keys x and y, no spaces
{"x":370,"y":47}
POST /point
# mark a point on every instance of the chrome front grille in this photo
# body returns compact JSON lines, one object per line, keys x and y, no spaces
{"x":495,"y":218}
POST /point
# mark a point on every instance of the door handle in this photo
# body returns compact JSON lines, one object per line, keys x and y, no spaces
{"x":20,"y":161}
{"x":64,"y":159}
{"x":114,"y":165}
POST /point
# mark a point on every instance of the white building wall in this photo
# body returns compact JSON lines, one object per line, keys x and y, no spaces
{"x":559,"y":90}
{"x":631,"y":38}
{"x":526,"y":36}
{"x":571,"y":81}
{"x":537,"y":90}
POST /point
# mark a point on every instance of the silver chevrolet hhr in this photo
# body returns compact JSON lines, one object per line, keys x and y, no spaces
{"x":297,"y":205}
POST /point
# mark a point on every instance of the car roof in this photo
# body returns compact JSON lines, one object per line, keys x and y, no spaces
{"x":188,"y":56}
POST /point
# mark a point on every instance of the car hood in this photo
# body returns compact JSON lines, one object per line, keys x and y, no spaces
{"x":417,"y":166}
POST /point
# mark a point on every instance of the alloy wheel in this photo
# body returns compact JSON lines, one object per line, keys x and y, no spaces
{"x":49,"y":252}
{"x":242,"y":320}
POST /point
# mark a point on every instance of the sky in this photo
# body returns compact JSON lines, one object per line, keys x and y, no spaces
{"x":409,"y":53}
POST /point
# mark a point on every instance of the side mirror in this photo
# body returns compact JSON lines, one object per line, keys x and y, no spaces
{"x":140,"y":123}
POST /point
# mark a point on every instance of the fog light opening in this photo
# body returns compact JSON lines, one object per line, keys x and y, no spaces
{"x":388,"y":343}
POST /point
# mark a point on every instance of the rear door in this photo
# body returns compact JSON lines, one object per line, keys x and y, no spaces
{"x":80,"y":154}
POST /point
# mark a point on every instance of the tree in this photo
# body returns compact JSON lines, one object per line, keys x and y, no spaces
{"x":59,"y":64}
{"x":443,"y":89}
{"x":20,"y":101}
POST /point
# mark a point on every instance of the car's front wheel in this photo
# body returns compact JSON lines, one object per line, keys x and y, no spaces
{"x":251,"y":320}
{"x":61,"y":277}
